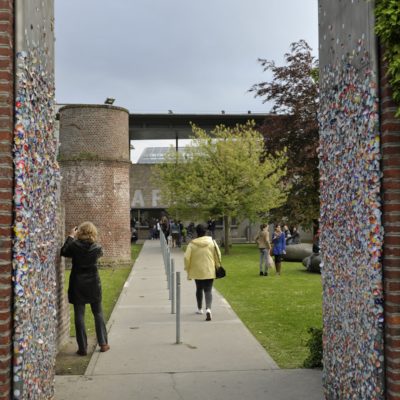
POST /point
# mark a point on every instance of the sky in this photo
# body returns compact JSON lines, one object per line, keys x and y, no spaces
{"x":188,"y":56}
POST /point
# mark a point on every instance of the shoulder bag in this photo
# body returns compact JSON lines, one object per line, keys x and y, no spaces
{"x":219,"y":269}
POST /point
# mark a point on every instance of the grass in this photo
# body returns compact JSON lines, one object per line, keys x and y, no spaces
{"x":278,"y":310}
{"x":112,"y":281}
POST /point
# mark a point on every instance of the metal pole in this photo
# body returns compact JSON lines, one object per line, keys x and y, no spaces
{"x":162,"y":248}
{"x":164,"y":254}
{"x":173,"y":287}
{"x":169,"y":273}
{"x":178,"y":308}
{"x":171,"y":269}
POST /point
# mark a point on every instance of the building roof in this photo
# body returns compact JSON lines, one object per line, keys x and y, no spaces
{"x":172,"y":126}
{"x":155,"y":155}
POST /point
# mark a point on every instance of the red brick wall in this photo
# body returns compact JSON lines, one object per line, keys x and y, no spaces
{"x":94,"y":131}
{"x":98,"y":191}
{"x":6,"y":190}
{"x":94,"y":158}
{"x":391,"y":220}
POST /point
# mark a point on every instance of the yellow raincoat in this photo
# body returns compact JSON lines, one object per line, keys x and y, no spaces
{"x":201,"y":257}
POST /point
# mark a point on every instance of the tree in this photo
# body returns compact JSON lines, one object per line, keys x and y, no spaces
{"x":294,"y":92}
{"x":226,"y":174}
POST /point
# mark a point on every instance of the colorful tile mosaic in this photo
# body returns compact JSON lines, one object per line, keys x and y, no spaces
{"x":35,"y":245}
{"x":351,"y":233}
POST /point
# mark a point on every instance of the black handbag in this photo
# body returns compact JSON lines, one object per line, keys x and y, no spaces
{"x":219,"y":269}
{"x":220,"y":272}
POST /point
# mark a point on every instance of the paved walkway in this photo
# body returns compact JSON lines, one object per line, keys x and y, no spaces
{"x":216,"y":360}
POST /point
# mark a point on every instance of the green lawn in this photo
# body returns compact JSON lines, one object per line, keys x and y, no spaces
{"x":112,"y":281}
{"x":278,"y":310}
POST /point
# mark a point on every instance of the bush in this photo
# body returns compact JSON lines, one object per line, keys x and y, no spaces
{"x":314,"y":343}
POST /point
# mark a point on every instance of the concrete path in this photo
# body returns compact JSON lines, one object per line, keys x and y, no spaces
{"x":216,"y":360}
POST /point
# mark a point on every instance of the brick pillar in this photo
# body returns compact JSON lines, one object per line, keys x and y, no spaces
{"x":6,"y":190}
{"x":391,"y":221}
{"x":94,"y":159}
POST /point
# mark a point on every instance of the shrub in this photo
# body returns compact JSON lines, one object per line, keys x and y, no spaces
{"x":314,"y":343}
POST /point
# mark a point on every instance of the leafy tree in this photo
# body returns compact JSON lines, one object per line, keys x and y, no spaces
{"x":294,"y":92}
{"x":226,"y":173}
{"x":387,"y":27}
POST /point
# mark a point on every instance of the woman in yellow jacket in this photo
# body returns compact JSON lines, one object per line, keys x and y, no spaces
{"x":201,"y":257}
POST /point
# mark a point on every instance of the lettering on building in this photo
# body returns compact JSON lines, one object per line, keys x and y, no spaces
{"x":144,"y":199}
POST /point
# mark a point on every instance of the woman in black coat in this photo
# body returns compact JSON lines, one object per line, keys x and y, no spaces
{"x":84,"y":283}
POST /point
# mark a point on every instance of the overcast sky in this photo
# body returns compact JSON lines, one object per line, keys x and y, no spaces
{"x":188,"y":56}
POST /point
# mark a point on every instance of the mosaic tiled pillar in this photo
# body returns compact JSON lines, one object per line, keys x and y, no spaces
{"x":35,"y":201}
{"x":390,"y":126}
{"x":351,"y":227}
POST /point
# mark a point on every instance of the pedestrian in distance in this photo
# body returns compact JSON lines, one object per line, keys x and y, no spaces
{"x":288,"y":234}
{"x":211,"y":225}
{"x":190,"y":231}
{"x":158,"y":226}
{"x":201,"y":256}
{"x":279,"y":247}
{"x":180,"y":239}
{"x":295,"y":238}
{"x":165,"y":226}
{"x":84,"y":283}
{"x":175,"y":233}
{"x":264,"y":245}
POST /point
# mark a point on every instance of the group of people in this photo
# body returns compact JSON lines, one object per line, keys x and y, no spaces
{"x":292,"y":235}
{"x":275,"y":247}
{"x":174,"y":231}
{"x":201,"y":258}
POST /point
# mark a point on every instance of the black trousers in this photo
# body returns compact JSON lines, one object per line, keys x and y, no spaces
{"x":80,"y":329}
{"x":204,"y":285}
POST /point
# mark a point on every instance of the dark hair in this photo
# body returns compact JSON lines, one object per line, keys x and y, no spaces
{"x":263,"y":226}
{"x":201,"y":230}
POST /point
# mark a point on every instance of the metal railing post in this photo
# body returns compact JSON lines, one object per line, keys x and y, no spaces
{"x":171,"y":268}
{"x":168,"y":272}
{"x":178,"y":308}
{"x":173,"y":287}
{"x":164,"y":254}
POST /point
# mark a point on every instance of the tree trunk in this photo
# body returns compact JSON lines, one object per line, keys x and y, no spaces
{"x":227,"y":228}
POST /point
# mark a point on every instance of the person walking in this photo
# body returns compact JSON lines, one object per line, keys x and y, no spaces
{"x":84,"y":283}
{"x":201,"y":256}
{"x":175,"y":233}
{"x":264,"y":245}
{"x":165,"y":227}
{"x":279,"y":247}
{"x":211,"y":225}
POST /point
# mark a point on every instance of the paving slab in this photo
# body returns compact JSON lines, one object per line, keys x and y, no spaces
{"x":219,"y":359}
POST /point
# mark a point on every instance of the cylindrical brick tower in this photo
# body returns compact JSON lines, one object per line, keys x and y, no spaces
{"x":94,"y":159}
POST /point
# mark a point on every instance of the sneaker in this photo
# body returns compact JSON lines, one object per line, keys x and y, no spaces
{"x":200,"y":311}
{"x":265,"y":273}
{"x":208,"y":314}
{"x":261,"y":273}
{"x":81,"y":353}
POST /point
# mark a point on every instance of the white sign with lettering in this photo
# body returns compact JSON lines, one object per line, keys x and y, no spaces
{"x":155,"y":197}
{"x":137,"y":200}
